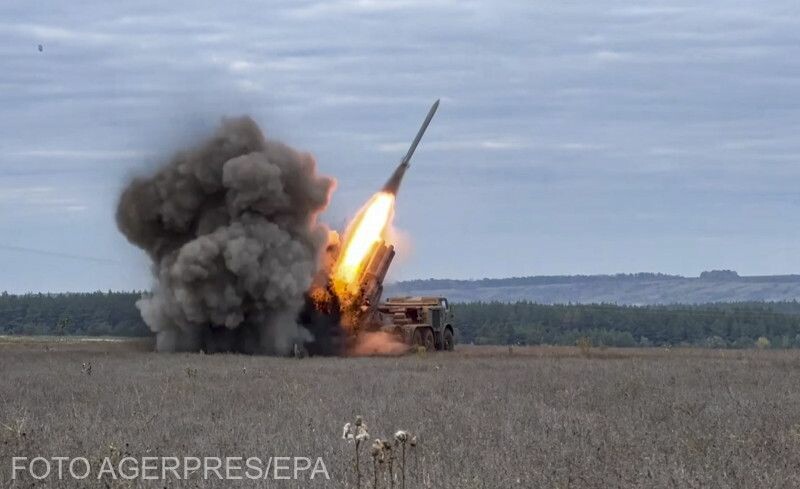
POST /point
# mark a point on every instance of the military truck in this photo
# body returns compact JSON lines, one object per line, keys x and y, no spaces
{"x":418,"y":321}
{"x":421,"y":321}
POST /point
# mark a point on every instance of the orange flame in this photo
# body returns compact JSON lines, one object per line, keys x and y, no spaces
{"x":368,"y":227}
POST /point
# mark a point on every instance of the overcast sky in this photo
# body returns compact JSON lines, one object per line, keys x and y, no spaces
{"x":594,"y":138}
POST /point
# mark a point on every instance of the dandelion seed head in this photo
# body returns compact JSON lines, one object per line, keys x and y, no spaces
{"x":377,"y":448}
{"x":401,"y":436}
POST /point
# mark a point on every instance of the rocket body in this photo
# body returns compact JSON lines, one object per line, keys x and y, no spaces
{"x":393,"y":184}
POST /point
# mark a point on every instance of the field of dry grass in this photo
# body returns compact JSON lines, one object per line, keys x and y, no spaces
{"x":485,"y":417}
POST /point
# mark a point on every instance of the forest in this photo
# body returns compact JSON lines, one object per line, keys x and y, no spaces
{"x":718,"y":325}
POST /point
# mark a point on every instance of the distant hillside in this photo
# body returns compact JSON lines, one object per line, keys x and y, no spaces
{"x":631,"y":289}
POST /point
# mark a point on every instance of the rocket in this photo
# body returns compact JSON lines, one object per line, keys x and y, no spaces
{"x":393,"y":184}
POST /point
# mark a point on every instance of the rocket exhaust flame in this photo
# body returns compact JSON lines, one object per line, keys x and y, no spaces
{"x":368,"y":228}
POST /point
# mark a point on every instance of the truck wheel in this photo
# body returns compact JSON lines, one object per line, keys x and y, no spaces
{"x":416,"y":338}
{"x":430,"y":344}
{"x":449,"y":344}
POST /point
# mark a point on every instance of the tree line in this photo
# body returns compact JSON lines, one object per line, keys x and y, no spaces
{"x":718,"y":325}
{"x":90,"y":314}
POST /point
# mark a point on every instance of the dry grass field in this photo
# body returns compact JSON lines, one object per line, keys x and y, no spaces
{"x":485,"y":417}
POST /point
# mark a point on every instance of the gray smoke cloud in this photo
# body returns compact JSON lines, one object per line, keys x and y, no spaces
{"x":231,"y":227}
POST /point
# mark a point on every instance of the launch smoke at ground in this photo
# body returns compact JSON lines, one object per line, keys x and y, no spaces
{"x":231,"y":227}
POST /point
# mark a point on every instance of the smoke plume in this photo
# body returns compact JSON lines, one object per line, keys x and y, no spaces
{"x":231,"y":227}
